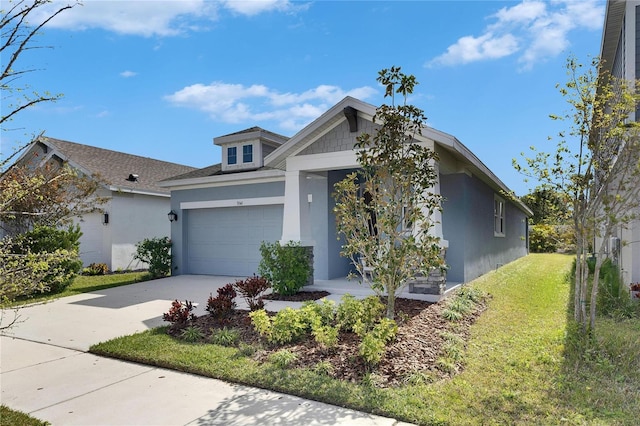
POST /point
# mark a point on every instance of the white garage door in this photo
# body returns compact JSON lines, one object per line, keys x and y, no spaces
{"x":226,"y":241}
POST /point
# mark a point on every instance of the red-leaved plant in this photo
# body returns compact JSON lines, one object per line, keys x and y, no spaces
{"x":251,"y":290}
{"x":221,"y":306}
{"x":179,"y":313}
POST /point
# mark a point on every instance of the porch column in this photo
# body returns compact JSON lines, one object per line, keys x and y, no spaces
{"x":436,"y":217}
{"x":296,"y":225}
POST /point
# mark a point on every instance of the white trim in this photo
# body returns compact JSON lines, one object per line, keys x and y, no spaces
{"x":136,"y":191}
{"x":236,"y":202}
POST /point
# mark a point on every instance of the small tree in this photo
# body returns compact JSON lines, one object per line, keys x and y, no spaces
{"x":385,"y":209}
{"x":45,"y":195}
{"x":595,"y":167}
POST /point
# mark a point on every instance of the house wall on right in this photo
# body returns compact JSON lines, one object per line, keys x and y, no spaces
{"x":620,"y":55}
{"x":468,"y":223}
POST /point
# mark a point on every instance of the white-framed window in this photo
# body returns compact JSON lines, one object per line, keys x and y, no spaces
{"x":498,"y":216}
{"x":247,"y":153}
{"x":232,"y":155}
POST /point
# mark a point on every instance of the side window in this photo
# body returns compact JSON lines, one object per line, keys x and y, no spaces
{"x":247,"y":154}
{"x":498,"y":216}
{"x":232,"y":155}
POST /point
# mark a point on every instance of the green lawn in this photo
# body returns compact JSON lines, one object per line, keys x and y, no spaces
{"x":522,"y":365}
{"x":86,"y":284}
{"x":9,"y":417}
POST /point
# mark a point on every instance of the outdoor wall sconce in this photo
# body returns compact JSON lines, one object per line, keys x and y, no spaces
{"x":105,"y":218}
{"x":173,"y":216}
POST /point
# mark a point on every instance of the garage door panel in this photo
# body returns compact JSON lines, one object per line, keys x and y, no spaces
{"x":226,"y":241}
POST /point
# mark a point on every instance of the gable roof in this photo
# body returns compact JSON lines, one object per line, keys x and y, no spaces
{"x":113,"y":167}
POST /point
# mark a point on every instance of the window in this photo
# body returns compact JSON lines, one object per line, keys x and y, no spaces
{"x":407,"y":222}
{"x":498,"y":216}
{"x":232,"y":155}
{"x":247,"y":154}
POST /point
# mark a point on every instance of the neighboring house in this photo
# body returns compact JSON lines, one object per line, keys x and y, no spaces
{"x":272,"y":188}
{"x":620,"y":56}
{"x":136,"y":207}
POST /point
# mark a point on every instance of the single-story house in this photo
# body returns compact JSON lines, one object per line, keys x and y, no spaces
{"x":273,"y":188}
{"x":136,"y":206}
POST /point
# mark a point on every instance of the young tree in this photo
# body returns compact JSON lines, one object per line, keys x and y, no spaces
{"x":27,"y":272}
{"x":50,"y":194}
{"x":595,"y":166}
{"x":18,"y":39}
{"x":385,"y":209}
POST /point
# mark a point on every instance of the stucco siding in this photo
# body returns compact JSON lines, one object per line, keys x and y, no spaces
{"x":468,"y":225}
{"x":132,"y":218}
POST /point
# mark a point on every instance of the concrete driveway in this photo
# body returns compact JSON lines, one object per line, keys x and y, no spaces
{"x":46,"y":371}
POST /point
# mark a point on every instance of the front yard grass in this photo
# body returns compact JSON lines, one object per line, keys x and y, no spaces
{"x":85,"y":284}
{"x":524,"y":364}
{"x":9,"y":417}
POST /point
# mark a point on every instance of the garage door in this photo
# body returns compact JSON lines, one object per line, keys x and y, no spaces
{"x":226,"y":241}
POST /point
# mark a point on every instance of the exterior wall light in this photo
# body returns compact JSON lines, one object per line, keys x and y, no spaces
{"x":173,"y":216}
{"x":105,"y":218}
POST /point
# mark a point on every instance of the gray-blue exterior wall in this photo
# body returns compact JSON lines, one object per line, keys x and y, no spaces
{"x":179,"y":227}
{"x":468,"y":225}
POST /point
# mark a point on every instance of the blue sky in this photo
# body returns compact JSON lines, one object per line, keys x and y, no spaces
{"x":163,"y":78}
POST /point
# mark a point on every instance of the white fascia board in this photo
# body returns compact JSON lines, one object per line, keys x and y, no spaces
{"x":235,"y":202}
{"x":135,"y":191}
{"x":240,"y":178}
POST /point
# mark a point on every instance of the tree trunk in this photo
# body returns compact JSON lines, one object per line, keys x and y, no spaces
{"x":594,"y":294}
{"x":391,"y":305}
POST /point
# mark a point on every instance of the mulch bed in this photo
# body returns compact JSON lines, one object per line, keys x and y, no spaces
{"x":416,"y":349}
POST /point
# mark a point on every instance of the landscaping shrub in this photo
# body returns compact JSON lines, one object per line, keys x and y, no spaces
{"x":96,"y":269}
{"x":375,"y":341}
{"x":192,"y":334}
{"x":251,"y":290}
{"x":46,"y":239}
{"x":613,"y":296}
{"x":359,"y":316}
{"x":225,"y":336}
{"x":285,"y":267}
{"x":221,"y":306}
{"x":180,"y":313}
{"x":155,"y":252}
{"x":543,"y":238}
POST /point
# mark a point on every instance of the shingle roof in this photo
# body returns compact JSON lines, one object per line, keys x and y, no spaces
{"x":213,"y":170}
{"x":114,"y":167}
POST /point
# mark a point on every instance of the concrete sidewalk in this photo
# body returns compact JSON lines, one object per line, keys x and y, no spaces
{"x":46,"y":371}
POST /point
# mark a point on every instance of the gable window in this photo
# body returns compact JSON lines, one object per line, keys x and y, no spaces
{"x":498,"y":216}
{"x":232,"y":155}
{"x":247,"y":153}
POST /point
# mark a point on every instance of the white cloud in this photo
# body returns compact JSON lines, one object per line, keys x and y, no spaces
{"x":535,"y":30}
{"x":151,"y":17}
{"x":255,"y":7}
{"x":128,"y":74}
{"x":236,"y":103}
{"x":471,"y":49}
